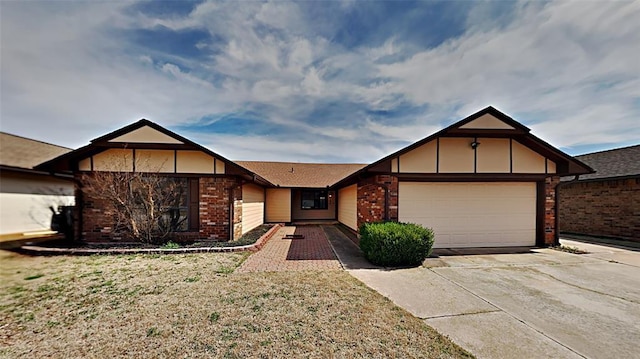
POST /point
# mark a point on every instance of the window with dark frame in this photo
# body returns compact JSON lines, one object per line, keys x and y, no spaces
{"x":178,"y":212}
{"x":182,"y":214}
{"x":314,"y":199}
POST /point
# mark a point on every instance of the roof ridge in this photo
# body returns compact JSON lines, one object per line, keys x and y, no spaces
{"x":302,"y":163}
{"x":34,"y":140}
{"x":609,"y":150}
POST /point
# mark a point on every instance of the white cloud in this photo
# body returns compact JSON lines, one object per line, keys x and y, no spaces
{"x":568,"y":70}
{"x":553,"y":61}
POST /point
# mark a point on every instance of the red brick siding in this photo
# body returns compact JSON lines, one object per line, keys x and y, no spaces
{"x":372,"y":197}
{"x":601,"y":208}
{"x":371,"y":202}
{"x":215,"y":205}
{"x":98,"y":220}
{"x":97,"y":216}
{"x":550,"y":210}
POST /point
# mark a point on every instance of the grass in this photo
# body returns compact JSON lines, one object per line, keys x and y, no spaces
{"x":569,"y":249}
{"x":170,"y":245}
{"x":195,"y":305}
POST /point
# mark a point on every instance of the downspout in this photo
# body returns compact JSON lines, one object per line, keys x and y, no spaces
{"x":557,"y":205}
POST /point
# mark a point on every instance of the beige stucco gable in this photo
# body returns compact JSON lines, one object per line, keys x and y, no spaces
{"x":146,"y":134}
{"x":152,"y":161}
{"x":457,"y":155}
{"x":487,"y":122}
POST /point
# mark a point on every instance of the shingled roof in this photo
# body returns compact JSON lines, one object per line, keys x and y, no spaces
{"x":619,"y":162}
{"x":25,"y":153}
{"x":303,"y":175}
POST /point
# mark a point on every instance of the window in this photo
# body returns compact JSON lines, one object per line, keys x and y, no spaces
{"x":178,"y":196}
{"x":314,"y":199}
{"x":176,"y":199}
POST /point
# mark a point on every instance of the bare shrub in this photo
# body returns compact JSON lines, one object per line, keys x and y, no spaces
{"x":147,"y":207}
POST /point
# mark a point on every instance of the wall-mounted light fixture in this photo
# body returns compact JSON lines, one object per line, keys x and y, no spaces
{"x":475,"y":144}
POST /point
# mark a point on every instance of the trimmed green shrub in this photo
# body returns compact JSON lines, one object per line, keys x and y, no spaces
{"x":395,"y":244}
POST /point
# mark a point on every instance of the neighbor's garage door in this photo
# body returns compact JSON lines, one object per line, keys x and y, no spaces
{"x":495,"y":214}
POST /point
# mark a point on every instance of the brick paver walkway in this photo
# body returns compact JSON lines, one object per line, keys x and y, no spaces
{"x":314,"y":252}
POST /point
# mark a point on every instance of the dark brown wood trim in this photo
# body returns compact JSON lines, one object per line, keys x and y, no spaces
{"x":102,"y":142}
{"x":175,"y":161}
{"x":60,"y":175}
{"x":398,"y":163}
{"x":511,"y":155}
{"x":540,"y":215}
{"x":470,"y":177}
{"x":134,"y":159}
{"x":475,"y":156}
{"x":91,"y":160}
{"x":437,"y":155}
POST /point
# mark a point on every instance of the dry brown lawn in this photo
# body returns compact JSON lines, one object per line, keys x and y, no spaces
{"x":195,"y":306}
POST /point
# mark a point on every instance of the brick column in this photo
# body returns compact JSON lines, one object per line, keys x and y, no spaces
{"x":550,"y":230}
{"x":215,"y":207}
{"x":377,"y":199}
{"x":97,"y":215}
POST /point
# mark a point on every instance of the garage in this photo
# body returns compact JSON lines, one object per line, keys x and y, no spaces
{"x":484,"y":181}
{"x":472,"y":214}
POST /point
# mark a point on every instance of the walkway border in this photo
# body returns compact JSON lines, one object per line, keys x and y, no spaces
{"x":48,"y":251}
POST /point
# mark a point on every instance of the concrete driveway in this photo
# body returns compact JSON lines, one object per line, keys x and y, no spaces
{"x":539,"y":304}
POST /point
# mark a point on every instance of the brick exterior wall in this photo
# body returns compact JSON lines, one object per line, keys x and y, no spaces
{"x":214,"y":205}
{"x":550,"y":189}
{"x":601,"y":208}
{"x":372,"y":198}
{"x":373,"y":194}
{"x":97,"y":216}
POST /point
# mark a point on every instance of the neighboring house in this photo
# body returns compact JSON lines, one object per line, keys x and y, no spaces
{"x":482,"y":182}
{"x":26,"y":194}
{"x":605,"y":203}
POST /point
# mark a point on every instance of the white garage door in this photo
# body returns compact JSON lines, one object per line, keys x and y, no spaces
{"x":496,"y":214}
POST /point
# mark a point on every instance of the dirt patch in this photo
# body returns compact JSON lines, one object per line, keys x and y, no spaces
{"x":194,"y":305}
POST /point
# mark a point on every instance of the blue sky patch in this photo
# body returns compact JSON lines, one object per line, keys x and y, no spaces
{"x":163,"y":40}
{"x":165,"y":8}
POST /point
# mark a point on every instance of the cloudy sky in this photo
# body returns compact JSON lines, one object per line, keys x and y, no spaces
{"x":338,"y":81}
